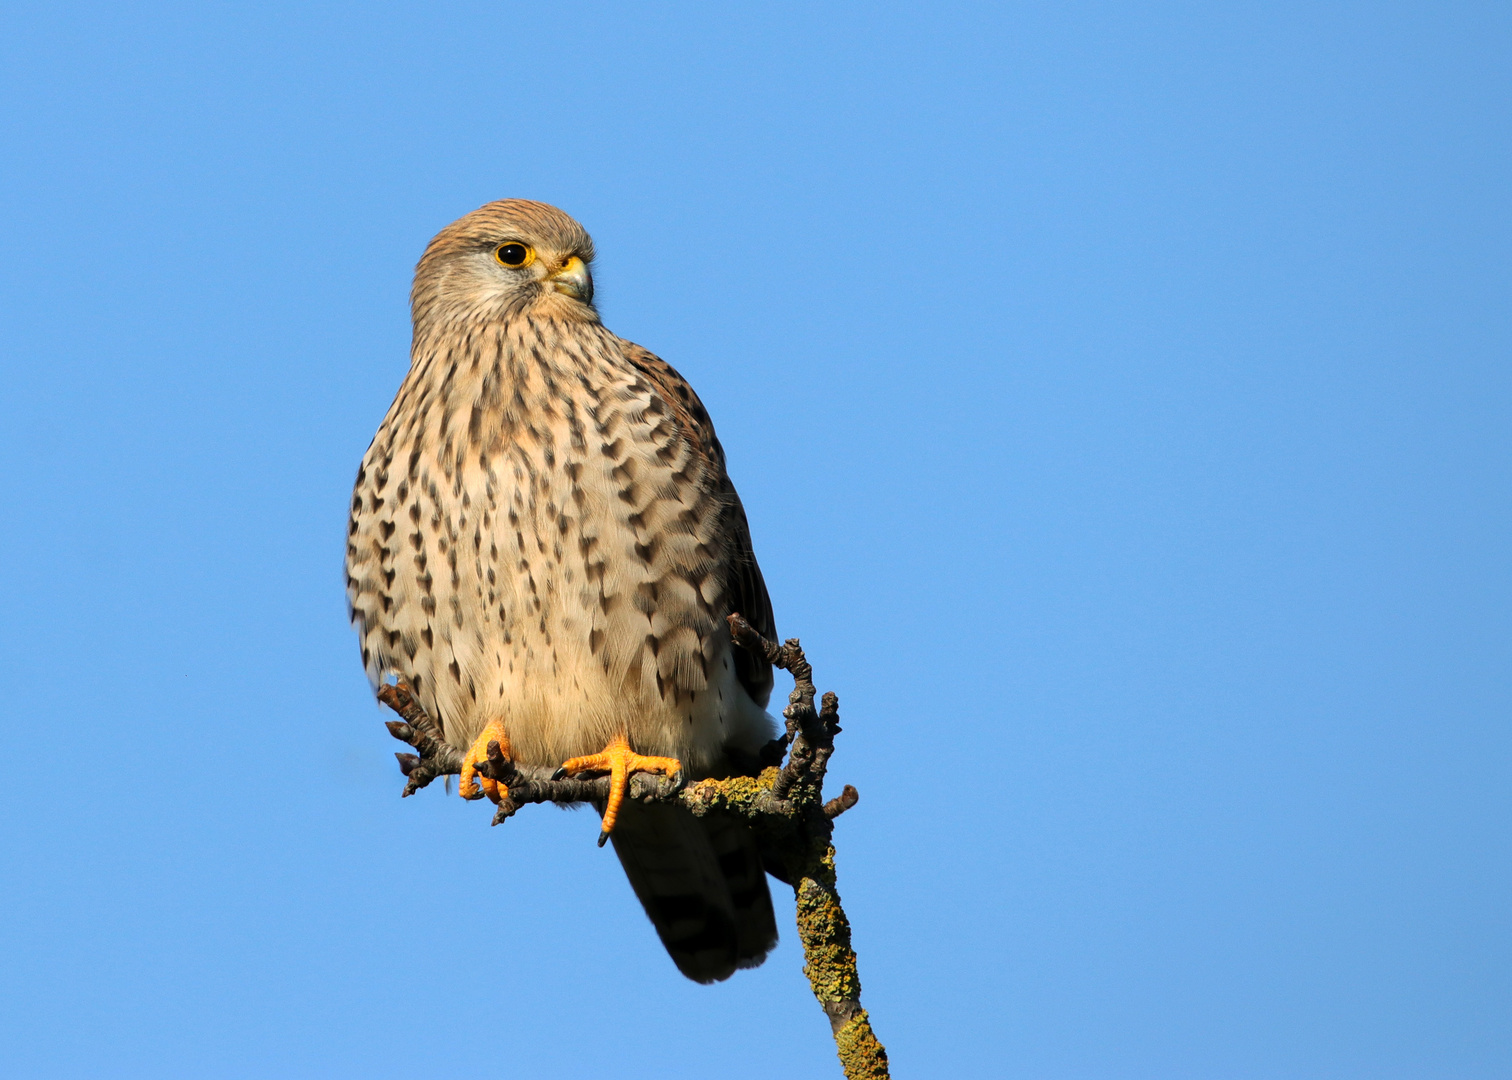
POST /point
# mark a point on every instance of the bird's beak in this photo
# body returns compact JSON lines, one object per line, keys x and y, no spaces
{"x":574,"y":280}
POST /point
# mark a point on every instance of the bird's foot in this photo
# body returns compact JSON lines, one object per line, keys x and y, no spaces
{"x":478,"y":755}
{"x":619,"y":761}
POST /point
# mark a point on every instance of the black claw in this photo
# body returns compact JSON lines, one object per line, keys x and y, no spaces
{"x":603,"y":839}
{"x":400,"y":730}
{"x":561,"y":774}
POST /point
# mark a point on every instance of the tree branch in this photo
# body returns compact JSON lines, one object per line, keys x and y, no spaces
{"x":784,"y":804}
{"x":437,"y":757}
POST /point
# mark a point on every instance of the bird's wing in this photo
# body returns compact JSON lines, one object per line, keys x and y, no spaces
{"x":744,"y":586}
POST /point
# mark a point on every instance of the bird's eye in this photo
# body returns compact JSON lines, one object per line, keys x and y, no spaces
{"x":514,"y":255}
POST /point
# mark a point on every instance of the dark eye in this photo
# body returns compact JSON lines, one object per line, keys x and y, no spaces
{"x":513,"y":254}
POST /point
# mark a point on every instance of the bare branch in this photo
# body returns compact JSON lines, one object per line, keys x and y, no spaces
{"x":830,"y":961}
{"x":842,"y":802}
{"x":437,"y":757}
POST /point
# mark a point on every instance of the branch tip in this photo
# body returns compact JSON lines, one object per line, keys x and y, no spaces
{"x":842,"y":802}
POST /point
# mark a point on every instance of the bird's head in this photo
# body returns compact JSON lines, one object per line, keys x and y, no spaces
{"x":507,"y":258}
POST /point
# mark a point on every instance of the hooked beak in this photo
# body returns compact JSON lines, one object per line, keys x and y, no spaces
{"x":574,"y":280}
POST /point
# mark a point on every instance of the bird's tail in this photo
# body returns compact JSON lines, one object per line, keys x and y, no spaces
{"x":702,"y":884}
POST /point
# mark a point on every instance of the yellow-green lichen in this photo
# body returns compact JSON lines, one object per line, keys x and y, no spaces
{"x":861,"y":1055}
{"x":736,"y":793}
{"x":830,"y":963}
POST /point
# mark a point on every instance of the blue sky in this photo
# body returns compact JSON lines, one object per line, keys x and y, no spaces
{"x":1120,"y":397}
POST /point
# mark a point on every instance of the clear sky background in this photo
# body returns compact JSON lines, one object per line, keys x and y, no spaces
{"x":1121,"y":398}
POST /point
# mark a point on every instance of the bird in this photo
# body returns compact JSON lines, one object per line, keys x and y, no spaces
{"x":544,"y":544}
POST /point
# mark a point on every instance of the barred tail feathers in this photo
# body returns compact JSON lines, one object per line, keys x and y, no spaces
{"x":702,"y":885}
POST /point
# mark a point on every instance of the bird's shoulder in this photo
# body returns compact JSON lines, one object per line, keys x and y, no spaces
{"x":745,"y":586}
{"x":680,"y":397}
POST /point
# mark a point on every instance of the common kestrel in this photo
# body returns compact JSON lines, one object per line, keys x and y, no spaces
{"x":544,"y":544}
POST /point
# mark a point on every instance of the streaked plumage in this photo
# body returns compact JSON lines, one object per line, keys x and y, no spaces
{"x":543,"y":533}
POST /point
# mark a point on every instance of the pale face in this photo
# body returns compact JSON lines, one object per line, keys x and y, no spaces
{"x":515,"y":273}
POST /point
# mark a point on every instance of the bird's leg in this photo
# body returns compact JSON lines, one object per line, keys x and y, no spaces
{"x":619,"y":761}
{"x":477,"y":754}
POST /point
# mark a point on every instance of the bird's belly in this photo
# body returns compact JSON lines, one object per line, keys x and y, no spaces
{"x":570,"y":707}
{"x":563,"y":630}
{"x":545,"y":678}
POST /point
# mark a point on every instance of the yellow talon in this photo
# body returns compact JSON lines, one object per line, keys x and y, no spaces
{"x":476,"y":755}
{"x":619,"y":761}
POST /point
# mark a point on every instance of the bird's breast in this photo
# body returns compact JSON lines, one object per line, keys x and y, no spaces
{"x":534,"y":538}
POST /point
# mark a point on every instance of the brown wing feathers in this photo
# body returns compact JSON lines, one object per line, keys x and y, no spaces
{"x":746,"y":589}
